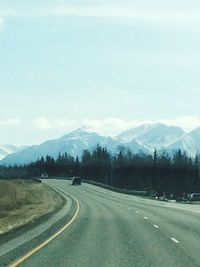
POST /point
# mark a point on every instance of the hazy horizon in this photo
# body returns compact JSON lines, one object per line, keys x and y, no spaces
{"x":104,"y":130}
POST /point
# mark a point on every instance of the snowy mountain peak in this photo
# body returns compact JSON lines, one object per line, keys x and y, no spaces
{"x":5,"y":150}
{"x":195,"y":132}
{"x":79,"y":133}
{"x":160,"y":136}
{"x":189,"y":142}
{"x":74,"y":144}
{"x":141,"y":139}
{"x":156,"y":135}
{"x":134,"y":132}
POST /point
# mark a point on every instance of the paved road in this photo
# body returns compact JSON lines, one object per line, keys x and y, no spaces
{"x":114,"y":230}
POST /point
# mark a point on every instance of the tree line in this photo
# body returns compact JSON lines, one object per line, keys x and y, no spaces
{"x":158,"y":172}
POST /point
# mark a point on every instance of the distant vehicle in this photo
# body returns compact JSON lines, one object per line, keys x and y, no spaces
{"x":44,"y":175}
{"x":181,"y":199}
{"x":194,"y":197}
{"x":76,"y":181}
{"x":163,"y":198}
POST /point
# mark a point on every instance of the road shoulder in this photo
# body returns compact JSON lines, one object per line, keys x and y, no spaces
{"x":27,"y":239}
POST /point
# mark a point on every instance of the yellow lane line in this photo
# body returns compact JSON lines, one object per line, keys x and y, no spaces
{"x":34,"y":250}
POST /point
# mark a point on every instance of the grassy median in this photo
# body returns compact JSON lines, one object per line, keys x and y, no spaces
{"x":24,"y":201}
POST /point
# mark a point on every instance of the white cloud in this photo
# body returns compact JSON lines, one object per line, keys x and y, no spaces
{"x":140,"y":12}
{"x":65,"y":124}
{"x":113,"y":126}
{"x":1,"y":23}
{"x":10,"y":122}
{"x":42,"y":124}
{"x":109,"y":126}
{"x":53,"y":128}
{"x":187,"y":123}
{"x":106,"y":126}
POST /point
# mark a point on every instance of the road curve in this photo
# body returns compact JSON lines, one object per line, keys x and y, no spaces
{"x":114,"y":230}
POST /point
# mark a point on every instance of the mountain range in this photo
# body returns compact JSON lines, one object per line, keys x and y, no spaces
{"x":143,"y":139}
{"x":155,"y":136}
{"x":5,"y":150}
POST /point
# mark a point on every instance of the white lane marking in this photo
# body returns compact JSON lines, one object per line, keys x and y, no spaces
{"x":175,"y":240}
{"x":156,"y":226}
{"x":145,"y":218}
{"x":138,"y":199}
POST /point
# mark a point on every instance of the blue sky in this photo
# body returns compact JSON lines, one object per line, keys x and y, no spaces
{"x":107,"y":64}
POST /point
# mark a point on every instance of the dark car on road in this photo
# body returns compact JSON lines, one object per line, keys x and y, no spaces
{"x":76,"y":181}
{"x":194,"y":197}
{"x":181,"y":199}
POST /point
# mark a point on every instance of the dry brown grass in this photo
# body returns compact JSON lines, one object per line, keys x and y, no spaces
{"x":23,"y":201}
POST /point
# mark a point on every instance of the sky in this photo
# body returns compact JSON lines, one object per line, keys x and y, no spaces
{"x":107,"y":64}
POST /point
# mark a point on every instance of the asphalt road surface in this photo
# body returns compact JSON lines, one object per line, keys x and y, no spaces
{"x":119,"y":230}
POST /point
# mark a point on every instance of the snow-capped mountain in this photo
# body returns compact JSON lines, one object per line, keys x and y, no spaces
{"x":74,"y":144}
{"x":190,"y":143}
{"x":135,"y":132}
{"x":155,"y":136}
{"x":141,"y":139}
{"x":5,"y":150}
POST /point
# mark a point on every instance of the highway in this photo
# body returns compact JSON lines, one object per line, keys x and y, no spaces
{"x":117,"y":230}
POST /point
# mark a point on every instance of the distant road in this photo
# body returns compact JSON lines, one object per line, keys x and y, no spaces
{"x":116,"y":230}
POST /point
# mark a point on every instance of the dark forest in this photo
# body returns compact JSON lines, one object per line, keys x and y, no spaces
{"x":159,"y":173}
